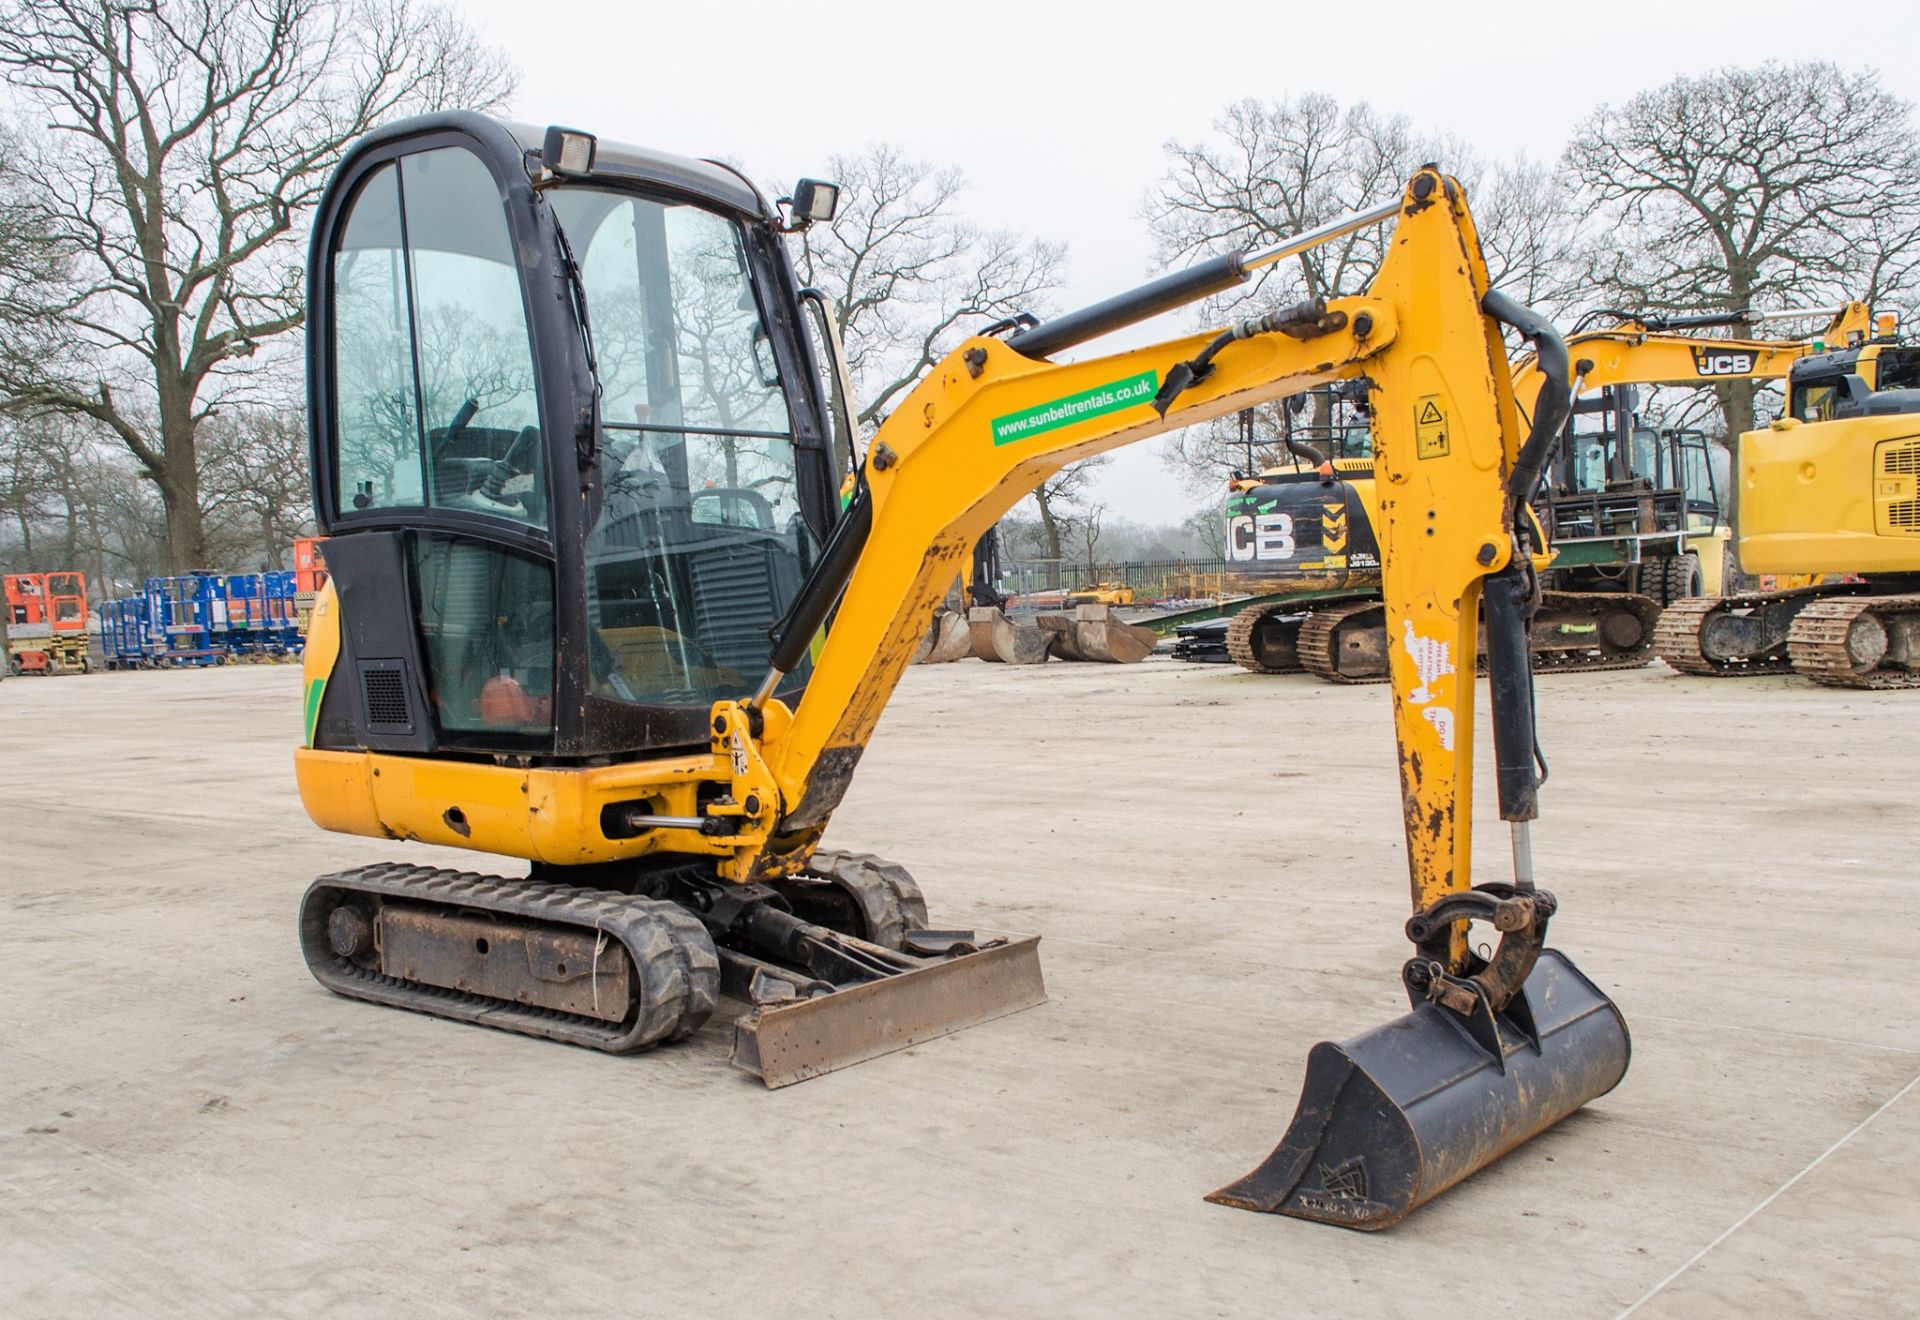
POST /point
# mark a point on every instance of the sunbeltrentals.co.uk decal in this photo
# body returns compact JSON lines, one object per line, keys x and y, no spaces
{"x":1096,"y":402}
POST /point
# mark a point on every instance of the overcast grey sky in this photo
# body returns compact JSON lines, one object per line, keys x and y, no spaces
{"x":1058,"y":113}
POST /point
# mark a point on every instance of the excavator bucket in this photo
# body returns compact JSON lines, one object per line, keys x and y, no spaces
{"x":1392,"y":1118}
{"x":996,"y":637}
{"x":947,"y":639}
{"x":1096,"y":633}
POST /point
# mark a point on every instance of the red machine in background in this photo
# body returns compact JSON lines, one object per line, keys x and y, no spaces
{"x":309,"y":576}
{"x":47,"y":623}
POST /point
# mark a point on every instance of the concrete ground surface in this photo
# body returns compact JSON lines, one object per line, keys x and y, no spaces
{"x":190,"y":1126}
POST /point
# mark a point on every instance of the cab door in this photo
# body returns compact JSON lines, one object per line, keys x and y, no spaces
{"x":431,"y":464}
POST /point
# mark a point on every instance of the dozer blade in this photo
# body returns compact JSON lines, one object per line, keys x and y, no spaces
{"x":1095,"y":633}
{"x":1392,"y":1118}
{"x":996,"y":637}
{"x":946,"y":640}
{"x":787,"y":1043}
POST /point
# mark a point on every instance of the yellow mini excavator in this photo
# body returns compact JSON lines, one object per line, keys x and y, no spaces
{"x":595,"y":606}
{"x":1635,"y":518}
{"x":1829,"y":495}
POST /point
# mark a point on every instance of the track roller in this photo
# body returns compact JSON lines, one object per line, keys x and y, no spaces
{"x":1732,"y":636}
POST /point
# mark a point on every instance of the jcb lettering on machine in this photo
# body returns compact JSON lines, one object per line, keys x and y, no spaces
{"x":1253,"y":536}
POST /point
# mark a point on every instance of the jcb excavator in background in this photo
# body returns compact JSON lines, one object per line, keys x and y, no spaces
{"x":1829,"y":494}
{"x":1627,"y":510}
{"x":594,"y":606}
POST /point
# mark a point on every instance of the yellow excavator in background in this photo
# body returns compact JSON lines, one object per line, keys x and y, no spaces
{"x":1636,"y":518}
{"x":1829,"y":497}
{"x":595,"y":606}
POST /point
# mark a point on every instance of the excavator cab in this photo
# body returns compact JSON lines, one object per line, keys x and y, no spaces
{"x":550,"y":544}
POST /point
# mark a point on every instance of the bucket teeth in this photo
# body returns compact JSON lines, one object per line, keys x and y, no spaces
{"x":1393,"y":1117}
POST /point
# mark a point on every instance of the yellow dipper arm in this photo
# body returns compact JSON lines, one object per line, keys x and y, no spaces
{"x":1632,"y":354}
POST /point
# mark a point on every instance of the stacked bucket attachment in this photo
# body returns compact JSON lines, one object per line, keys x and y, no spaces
{"x":1090,"y":633}
{"x":946,"y":640}
{"x":835,"y":966}
{"x":1095,"y":633}
{"x":1000,"y":639}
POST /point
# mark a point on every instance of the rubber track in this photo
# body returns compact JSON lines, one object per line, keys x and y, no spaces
{"x":1240,"y":638}
{"x":677,"y":970}
{"x":889,"y":897}
{"x":1817,"y":642}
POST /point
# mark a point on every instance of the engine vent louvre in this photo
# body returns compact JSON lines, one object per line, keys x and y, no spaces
{"x":383,"y":685}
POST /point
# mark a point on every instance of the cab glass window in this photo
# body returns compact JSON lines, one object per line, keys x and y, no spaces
{"x":486,"y":628}
{"x":697,"y":544}
{"x":432,"y":365}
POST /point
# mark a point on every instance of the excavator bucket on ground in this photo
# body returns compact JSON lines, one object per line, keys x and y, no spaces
{"x":996,"y":637}
{"x":1096,"y":633}
{"x":946,"y":640}
{"x":1393,"y":1117}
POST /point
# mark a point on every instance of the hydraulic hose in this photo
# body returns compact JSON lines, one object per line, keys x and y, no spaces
{"x":1508,"y":597}
{"x":1550,"y":410}
{"x":824,"y":584}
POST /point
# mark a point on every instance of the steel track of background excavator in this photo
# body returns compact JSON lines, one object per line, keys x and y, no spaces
{"x":1858,"y":641}
{"x":1264,"y":639}
{"x":651,"y":974}
{"x":1342,"y":644}
{"x":1681,"y":638}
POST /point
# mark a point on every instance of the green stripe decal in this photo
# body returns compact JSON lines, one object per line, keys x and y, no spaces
{"x":1096,"y":402}
{"x":314,"y":689}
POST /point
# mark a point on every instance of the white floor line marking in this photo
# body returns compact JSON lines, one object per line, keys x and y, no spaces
{"x":1775,"y":1195}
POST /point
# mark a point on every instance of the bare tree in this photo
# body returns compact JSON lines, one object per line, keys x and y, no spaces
{"x":1087,"y":536}
{"x":72,"y":499}
{"x":255,"y":484}
{"x":909,"y":278}
{"x":1276,"y":168}
{"x":1064,"y":503}
{"x":1769,"y":186}
{"x":182,"y":144}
